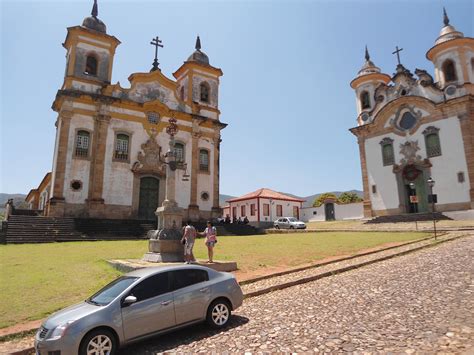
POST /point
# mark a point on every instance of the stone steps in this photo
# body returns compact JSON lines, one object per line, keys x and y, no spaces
{"x":36,"y":229}
{"x":410,"y":217}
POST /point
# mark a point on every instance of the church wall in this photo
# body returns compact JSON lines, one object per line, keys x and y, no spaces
{"x":118,"y":178}
{"x":452,"y":161}
{"x":55,"y":158}
{"x":444,"y":170}
{"x":205,"y":179}
{"x":386,"y":196}
{"x":183,"y":188}
{"x":77,"y":168}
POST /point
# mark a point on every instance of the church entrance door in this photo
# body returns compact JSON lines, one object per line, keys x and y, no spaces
{"x":329,"y":212}
{"x":415,"y":190}
{"x":148,"y":202}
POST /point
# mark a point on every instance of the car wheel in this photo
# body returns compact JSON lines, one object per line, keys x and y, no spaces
{"x":98,"y":342}
{"x":277,"y":227}
{"x":218,"y":314}
{"x":291,"y":227}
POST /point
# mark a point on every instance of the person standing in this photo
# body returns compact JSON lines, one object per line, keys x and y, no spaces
{"x":189,"y":235}
{"x":211,"y":239}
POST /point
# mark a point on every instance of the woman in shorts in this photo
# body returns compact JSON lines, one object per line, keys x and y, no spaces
{"x":211,"y":239}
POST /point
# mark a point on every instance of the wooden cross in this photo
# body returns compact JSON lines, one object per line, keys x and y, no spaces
{"x":157,"y":43}
{"x":397,"y":51}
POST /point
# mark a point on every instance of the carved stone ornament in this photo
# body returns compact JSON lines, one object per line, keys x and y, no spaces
{"x":149,"y":161}
{"x":409,"y":150}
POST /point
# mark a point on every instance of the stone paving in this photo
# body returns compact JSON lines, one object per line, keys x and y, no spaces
{"x":266,"y":284}
{"x":418,"y":303}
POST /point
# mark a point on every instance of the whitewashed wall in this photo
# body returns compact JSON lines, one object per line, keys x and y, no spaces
{"x":342,"y":212}
{"x":76,"y":168}
{"x":444,"y":170}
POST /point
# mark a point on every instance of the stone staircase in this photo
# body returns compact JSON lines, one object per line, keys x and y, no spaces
{"x":411,"y":217}
{"x":36,"y":229}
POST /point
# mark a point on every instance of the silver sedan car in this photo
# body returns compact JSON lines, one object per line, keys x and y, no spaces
{"x":138,"y":305}
{"x":289,"y":223}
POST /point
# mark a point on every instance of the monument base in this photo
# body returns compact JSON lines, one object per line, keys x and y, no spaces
{"x":164,"y":251}
{"x":128,"y":265}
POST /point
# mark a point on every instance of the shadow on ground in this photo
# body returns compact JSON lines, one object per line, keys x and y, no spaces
{"x":184,"y":336}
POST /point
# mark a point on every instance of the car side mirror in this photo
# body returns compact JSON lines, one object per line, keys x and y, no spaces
{"x":128,"y":301}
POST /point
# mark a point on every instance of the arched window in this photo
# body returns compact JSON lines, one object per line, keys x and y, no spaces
{"x":449,"y":71}
{"x":432,"y":142}
{"x":472,"y":65}
{"x":82,"y":143}
{"x":179,"y":152}
{"x":122,"y":143}
{"x":364,"y":100}
{"x":388,"y":157}
{"x":91,"y":65}
{"x":204,"y":160}
{"x":181,"y":93}
{"x":204,"y":92}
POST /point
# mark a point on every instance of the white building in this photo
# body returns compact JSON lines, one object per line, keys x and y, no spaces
{"x":410,"y":129}
{"x":331,"y":211}
{"x":264,"y":206}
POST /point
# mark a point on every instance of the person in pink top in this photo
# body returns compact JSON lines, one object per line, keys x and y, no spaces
{"x":211,"y":239}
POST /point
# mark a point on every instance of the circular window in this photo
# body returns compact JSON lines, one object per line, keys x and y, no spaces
{"x":76,"y":185}
{"x":451,"y":90}
{"x":408,"y":121}
{"x":403,"y":92}
{"x":365,"y":117}
{"x":204,"y":196}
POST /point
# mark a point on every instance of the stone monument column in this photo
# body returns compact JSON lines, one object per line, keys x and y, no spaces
{"x":165,"y":242}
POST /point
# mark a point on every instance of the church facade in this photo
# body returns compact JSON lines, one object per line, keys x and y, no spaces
{"x":411,"y":129}
{"x":110,"y":141}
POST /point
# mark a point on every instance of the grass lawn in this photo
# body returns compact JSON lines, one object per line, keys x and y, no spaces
{"x":37,"y":279}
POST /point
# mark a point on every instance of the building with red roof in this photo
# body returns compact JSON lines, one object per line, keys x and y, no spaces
{"x":263,"y":206}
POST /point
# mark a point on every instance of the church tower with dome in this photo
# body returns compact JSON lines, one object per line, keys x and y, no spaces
{"x":416,"y":133}
{"x":108,"y":160}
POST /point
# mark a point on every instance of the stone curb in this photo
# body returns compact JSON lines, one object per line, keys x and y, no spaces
{"x":341,"y":270}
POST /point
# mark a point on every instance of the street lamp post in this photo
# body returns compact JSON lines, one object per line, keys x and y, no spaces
{"x":431,"y":183}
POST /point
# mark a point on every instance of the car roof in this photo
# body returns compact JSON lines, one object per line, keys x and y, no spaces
{"x":147,"y":271}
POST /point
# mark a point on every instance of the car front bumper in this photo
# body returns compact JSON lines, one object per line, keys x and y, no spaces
{"x":62,"y":346}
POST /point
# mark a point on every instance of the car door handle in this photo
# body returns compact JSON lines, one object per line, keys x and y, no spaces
{"x":165,"y":303}
{"x":205,"y":289}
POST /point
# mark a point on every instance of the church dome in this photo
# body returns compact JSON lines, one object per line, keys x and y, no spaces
{"x":198,"y":55}
{"x":448,"y":32}
{"x":369,"y":66}
{"x":93,"y":22}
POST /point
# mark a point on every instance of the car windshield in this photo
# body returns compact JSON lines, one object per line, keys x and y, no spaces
{"x":108,"y":293}
{"x":291,"y":219}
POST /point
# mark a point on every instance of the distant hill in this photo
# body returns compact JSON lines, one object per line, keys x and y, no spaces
{"x":18,"y":200}
{"x":223,"y":199}
{"x":309,"y":199}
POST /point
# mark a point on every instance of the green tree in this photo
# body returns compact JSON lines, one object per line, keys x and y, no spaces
{"x":349,"y":197}
{"x":320,"y":199}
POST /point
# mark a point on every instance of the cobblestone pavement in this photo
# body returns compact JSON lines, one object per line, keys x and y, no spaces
{"x":418,"y":303}
{"x":313,"y":272}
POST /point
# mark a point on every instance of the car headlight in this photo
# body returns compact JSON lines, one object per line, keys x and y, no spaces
{"x":60,"y":330}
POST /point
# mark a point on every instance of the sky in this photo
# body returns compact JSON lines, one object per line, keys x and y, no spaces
{"x":285,"y":92}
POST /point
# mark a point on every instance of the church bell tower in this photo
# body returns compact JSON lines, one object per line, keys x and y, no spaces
{"x":90,"y":54}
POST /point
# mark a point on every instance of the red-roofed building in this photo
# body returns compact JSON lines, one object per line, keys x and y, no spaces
{"x":264,"y":206}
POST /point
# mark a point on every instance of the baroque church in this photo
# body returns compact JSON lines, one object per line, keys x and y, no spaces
{"x":416,"y":133}
{"x":110,"y":140}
